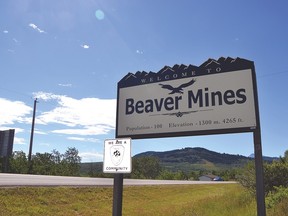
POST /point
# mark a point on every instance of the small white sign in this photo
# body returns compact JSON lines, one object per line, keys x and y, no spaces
{"x":117,"y":156}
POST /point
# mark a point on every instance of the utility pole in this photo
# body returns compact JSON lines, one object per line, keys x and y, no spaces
{"x":31,"y":137}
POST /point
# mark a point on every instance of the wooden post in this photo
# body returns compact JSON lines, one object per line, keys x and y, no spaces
{"x":31,"y":138}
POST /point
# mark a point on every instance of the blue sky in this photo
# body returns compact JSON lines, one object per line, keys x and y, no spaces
{"x":71,"y":54}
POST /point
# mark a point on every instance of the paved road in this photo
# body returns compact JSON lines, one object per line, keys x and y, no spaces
{"x":14,"y":180}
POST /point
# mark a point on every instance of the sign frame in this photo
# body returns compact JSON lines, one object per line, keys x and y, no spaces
{"x":211,"y":67}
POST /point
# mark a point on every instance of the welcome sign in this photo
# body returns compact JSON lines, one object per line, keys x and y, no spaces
{"x":216,"y":97}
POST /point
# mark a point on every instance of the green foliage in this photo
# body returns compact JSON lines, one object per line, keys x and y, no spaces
{"x":275,"y":175}
{"x":280,"y":194}
{"x":228,"y":175}
{"x":145,"y":167}
{"x":42,"y":164}
{"x":194,"y":175}
{"x":168,"y":175}
{"x":71,"y":162}
{"x":286,"y":155}
{"x":199,"y":156}
{"x":67,"y":164}
{"x":18,"y":162}
{"x":248,"y":178}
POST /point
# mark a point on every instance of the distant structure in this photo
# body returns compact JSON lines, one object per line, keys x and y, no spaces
{"x":210,"y":177}
{"x":6,"y":147}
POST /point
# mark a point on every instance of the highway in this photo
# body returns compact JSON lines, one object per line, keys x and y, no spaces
{"x":21,"y":180}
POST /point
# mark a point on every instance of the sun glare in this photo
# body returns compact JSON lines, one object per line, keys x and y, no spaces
{"x":99,"y":14}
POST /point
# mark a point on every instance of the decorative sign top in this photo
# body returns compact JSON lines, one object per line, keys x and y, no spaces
{"x":216,"y":97}
{"x":182,"y":71}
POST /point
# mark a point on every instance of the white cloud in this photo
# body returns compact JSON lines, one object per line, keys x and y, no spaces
{"x":65,"y":85}
{"x":83,"y":139}
{"x":32,"y":25}
{"x":139,"y":52}
{"x":40,"y":132}
{"x":46,"y":96}
{"x":85,"y":46}
{"x":5,"y":32}
{"x":86,"y":116}
{"x":13,"y":111}
{"x":91,"y":156}
{"x":15,"y":40}
{"x":74,"y":117}
{"x":44,"y":144}
{"x":89,"y":130}
{"x":17,"y":130}
{"x":19,"y":141}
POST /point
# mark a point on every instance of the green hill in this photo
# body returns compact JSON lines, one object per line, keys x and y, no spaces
{"x":188,"y":159}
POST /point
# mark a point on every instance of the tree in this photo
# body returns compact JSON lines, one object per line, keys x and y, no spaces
{"x":275,"y":175}
{"x":42,"y":164}
{"x":145,"y":167}
{"x":47,"y":163}
{"x":71,"y":162}
{"x":247,"y":177}
{"x":18,"y":162}
{"x":56,"y":158}
{"x":166,"y":175}
{"x":180,"y":175}
{"x":286,"y":156}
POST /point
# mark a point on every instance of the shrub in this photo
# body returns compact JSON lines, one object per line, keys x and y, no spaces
{"x":279,"y":195}
{"x":275,"y":175}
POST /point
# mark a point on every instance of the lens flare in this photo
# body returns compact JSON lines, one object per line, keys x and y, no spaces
{"x":99,"y":14}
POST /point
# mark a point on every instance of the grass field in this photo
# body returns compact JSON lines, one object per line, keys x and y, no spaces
{"x":188,"y":200}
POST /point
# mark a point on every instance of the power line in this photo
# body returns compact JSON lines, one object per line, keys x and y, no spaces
{"x":15,"y":92}
{"x":273,"y":74}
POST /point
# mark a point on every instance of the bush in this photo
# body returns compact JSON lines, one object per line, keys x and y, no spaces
{"x":275,"y":175}
{"x":247,"y":177}
{"x":146,"y":167}
{"x":279,"y":195}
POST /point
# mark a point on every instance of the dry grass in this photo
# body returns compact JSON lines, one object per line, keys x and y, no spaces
{"x":187,"y":200}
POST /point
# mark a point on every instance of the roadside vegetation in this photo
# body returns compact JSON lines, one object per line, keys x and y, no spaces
{"x":177,"y":200}
{"x":148,"y":167}
{"x":54,"y":163}
{"x":230,"y":199}
{"x":275,"y":184}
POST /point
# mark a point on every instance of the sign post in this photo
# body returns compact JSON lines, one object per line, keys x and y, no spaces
{"x":260,"y":193}
{"x":260,"y":190}
{"x":218,"y":97}
{"x":117,"y":194}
